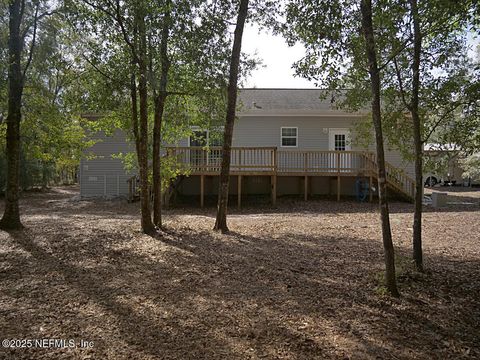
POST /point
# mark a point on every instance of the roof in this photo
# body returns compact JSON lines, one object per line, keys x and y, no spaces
{"x":258,"y":101}
{"x":281,"y":101}
{"x":284,"y":99}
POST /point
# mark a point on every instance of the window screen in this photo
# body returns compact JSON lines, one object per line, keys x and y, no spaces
{"x":340,"y":142}
{"x":289,"y":136}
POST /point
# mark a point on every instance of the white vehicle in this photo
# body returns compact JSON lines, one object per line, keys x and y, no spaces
{"x":431,"y":179}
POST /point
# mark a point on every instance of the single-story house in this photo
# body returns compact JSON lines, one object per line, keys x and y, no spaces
{"x":285,"y":142}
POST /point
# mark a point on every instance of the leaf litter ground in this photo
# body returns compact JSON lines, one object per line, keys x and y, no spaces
{"x":300,"y":281}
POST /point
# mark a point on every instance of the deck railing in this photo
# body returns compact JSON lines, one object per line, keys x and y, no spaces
{"x":323,"y":162}
{"x":270,"y":160}
{"x":209,"y":160}
{"x":400,"y":180}
{"x":396,"y":177}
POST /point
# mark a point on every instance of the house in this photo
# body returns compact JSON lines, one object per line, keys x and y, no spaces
{"x":285,"y":142}
{"x":101,"y":172}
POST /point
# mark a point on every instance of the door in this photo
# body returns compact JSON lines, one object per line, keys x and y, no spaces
{"x":339,"y":140}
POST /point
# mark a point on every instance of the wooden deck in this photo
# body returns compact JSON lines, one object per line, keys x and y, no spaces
{"x":269,"y":161}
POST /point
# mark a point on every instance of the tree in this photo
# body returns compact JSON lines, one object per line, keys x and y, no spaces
{"x":52,"y":140}
{"x":18,"y":37}
{"x":184,"y":65}
{"x":160,"y":99}
{"x":180,"y":46}
{"x":348,"y":61}
{"x":221,"y":220}
{"x":417,"y":137}
{"x":471,"y":165}
{"x":368,"y":31}
{"x":428,"y":73}
{"x":130,"y":21}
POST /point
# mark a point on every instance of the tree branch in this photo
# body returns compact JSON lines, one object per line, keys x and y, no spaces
{"x":97,"y":69}
{"x":396,"y":53}
{"x":124,"y":32}
{"x":39,"y":17}
{"x":100,"y":8}
{"x":443,"y":117}
{"x":400,"y":84}
{"x":32,"y":45}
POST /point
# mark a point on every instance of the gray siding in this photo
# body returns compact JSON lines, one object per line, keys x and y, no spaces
{"x":312,"y":134}
{"x":265,"y":130}
{"x":105,"y":176}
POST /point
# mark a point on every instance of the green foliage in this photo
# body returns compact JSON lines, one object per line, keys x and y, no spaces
{"x":436,"y":164}
{"x":52,"y":137}
{"x":198,"y":51}
{"x":471,"y":166}
{"x":335,"y":59}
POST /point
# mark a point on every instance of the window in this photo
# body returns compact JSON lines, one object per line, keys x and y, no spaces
{"x":340,"y":142}
{"x":207,"y":137}
{"x":289,"y":136}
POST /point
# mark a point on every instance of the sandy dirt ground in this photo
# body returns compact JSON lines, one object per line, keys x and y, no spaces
{"x":301,"y":281}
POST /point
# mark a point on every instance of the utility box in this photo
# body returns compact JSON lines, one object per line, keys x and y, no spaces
{"x":439,"y":199}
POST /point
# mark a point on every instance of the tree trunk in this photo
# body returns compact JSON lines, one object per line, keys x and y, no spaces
{"x":160,"y":100}
{"x":133,"y":99}
{"x":11,"y":215}
{"x":157,"y":178}
{"x":221,"y":221}
{"x":367,"y":25}
{"x":147,"y":224}
{"x":417,"y":138}
{"x":144,"y":207}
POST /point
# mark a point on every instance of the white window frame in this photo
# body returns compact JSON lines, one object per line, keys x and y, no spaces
{"x":348,"y":142}
{"x":289,"y":137}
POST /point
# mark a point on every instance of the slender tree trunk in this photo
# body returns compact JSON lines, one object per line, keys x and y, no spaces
{"x":157,"y":178}
{"x":221,"y":221}
{"x":417,"y":138}
{"x":367,"y":25}
{"x":146,"y":220}
{"x":147,"y":224}
{"x":11,"y":215}
{"x":160,"y":100}
{"x":134,"y":105}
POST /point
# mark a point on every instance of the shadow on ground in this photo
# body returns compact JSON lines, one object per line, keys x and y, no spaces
{"x":195,"y":294}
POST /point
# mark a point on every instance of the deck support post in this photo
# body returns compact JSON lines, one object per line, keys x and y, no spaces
{"x":338,"y":175}
{"x":239,"y":191}
{"x":338,"y":187}
{"x":273,"y":180}
{"x":305,"y":190}
{"x":202,"y":190}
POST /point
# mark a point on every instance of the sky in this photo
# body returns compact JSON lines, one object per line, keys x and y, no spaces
{"x":277,"y":58}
